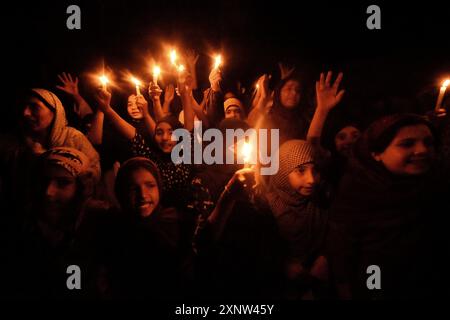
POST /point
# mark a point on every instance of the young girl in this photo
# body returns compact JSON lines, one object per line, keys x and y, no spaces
{"x":386,"y":214}
{"x":300,"y":207}
{"x":151,"y":257}
{"x":176,"y":177}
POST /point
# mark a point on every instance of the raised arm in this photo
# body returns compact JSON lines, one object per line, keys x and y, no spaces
{"x":70,"y":86}
{"x":95,"y":133}
{"x":103,"y":98}
{"x":142,"y":105}
{"x":169,"y":95}
{"x":259,"y":110}
{"x":191,"y":58}
{"x":154,"y":91}
{"x":328,"y":96}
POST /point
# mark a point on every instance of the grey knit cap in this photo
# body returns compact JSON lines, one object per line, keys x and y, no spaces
{"x":292,"y":153}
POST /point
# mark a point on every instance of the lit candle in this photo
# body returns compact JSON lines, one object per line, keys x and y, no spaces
{"x":173,"y":57}
{"x":156,"y":72}
{"x":445,"y":84}
{"x":104,"y":81}
{"x":181,"y":68}
{"x":137,"y":83}
{"x":246,"y":153}
{"x":218,"y":61}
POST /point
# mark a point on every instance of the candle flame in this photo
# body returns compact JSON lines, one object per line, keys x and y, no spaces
{"x":173,"y":56}
{"x":218,"y":61}
{"x":446,"y":83}
{"x":257,"y":86}
{"x":246,"y":152}
{"x":181,"y":68}
{"x":135,"y":81}
{"x":156,"y":70}
{"x":104,"y":80}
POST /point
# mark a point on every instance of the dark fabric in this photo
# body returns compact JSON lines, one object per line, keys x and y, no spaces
{"x":38,"y":267}
{"x":150,"y":257}
{"x":246,"y":261}
{"x":396,"y":223}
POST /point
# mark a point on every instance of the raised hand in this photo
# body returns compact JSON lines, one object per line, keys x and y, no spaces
{"x":285,"y":70}
{"x":103,"y":98}
{"x":191,"y":58}
{"x":242,"y":180}
{"x":263,"y":86}
{"x":327,"y":94}
{"x":214,"y":79}
{"x":142,"y":104}
{"x":169,"y":93}
{"x":154,"y":91}
{"x":69,"y":85}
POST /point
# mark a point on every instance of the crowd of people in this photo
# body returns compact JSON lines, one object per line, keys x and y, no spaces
{"x":107,"y":197}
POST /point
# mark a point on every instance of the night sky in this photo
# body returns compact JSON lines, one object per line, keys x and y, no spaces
{"x":406,"y":59}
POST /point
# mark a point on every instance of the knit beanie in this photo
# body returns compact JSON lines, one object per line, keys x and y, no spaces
{"x":292,"y":153}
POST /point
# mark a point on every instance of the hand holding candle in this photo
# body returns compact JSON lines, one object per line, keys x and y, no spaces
{"x":444,"y":86}
{"x":173,"y":57}
{"x":247,"y":153}
{"x":217,"y":61}
{"x":156,"y":73}
{"x":137,"y":83}
{"x":104,"y":81}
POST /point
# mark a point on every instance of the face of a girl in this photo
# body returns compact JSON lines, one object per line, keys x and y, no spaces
{"x":345,"y":139}
{"x":36,"y":116}
{"x":290,"y":94}
{"x":410,"y":152}
{"x":60,"y":189}
{"x":163,"y":134}
{"x":143,"y":195}
{"x":303,"y":179}
{"x":233,"y":112}
{"x":132,"y":108}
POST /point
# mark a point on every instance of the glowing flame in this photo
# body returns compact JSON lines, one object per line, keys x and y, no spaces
{"x":173,"y":57}
{"x":257,"y":86}
{"x":181,"y":68}
{"x":246,"y":152}
{"x":446,"y":83}
{"x":156,"y":71}
{"x":136,"y":82}
{"x":218,"y":61}
{"x":104,"y":80}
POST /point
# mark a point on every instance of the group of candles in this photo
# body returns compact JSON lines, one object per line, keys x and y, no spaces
{"x":157,"y":71}
{"x":217,"y":63}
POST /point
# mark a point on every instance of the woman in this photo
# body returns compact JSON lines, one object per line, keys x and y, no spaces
{"x":62,"y":228}
{"x":386,"y":213}
{"x":43,"y":126}
{"x":289,"y":112}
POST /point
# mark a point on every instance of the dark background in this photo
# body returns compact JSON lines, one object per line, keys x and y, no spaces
{"x":397,"y":67}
